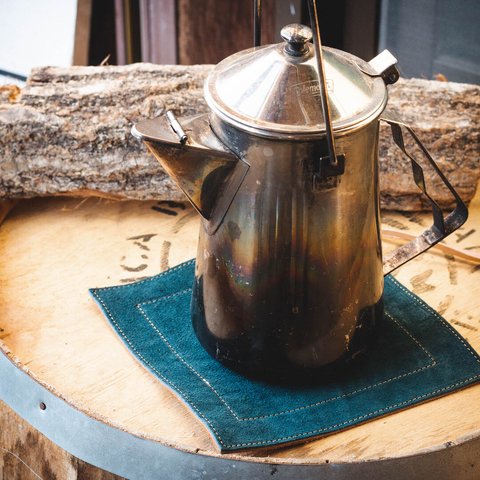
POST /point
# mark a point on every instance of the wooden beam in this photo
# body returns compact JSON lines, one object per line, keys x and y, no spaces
{"x":82,"y":32}
{"x":210,"y":30}
{"x":158,"y":31}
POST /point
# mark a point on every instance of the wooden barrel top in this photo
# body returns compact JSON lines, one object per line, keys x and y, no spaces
{"x":54,"y":249}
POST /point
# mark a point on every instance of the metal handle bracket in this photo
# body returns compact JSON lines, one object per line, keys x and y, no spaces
{"x":385,"y":65}
{"x":442,"y":226}
{"x":326,"y":175}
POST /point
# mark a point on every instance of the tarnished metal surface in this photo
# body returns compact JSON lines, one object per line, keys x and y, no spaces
{"x":292,"y":278}
{"x":289,"y":276}
{"x":207,"y":172}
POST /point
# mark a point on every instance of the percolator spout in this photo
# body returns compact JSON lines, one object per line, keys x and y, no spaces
{"x":199,"y":163}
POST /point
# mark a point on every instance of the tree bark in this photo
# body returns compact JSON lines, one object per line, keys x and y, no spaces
{"x":68,"y":132}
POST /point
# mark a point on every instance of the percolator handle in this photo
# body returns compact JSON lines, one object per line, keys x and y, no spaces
{"x":336,"y":163}
{"x":442,"y":226}
{"x":257,"y":22}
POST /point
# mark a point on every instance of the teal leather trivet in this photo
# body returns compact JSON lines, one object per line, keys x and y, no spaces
{"x":418,"y":356}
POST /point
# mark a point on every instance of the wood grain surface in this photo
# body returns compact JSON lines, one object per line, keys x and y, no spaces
{"x":54,"y":249}
{"x":210,"y":30}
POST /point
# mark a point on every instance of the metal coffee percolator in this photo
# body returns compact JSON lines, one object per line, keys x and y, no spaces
{"x":284,"y":172}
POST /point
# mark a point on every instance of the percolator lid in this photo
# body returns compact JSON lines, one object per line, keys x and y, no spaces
{"x":273,"y":90}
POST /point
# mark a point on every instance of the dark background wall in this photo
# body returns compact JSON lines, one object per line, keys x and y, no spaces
{"x":430,"y":38}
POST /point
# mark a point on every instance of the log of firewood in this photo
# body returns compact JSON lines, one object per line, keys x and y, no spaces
{"x":68,"y":132}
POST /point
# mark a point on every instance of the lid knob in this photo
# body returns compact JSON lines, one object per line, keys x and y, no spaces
{"x":297,"y":37}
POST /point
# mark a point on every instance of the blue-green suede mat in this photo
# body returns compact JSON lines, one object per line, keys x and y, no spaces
{"x":418,"y":356}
